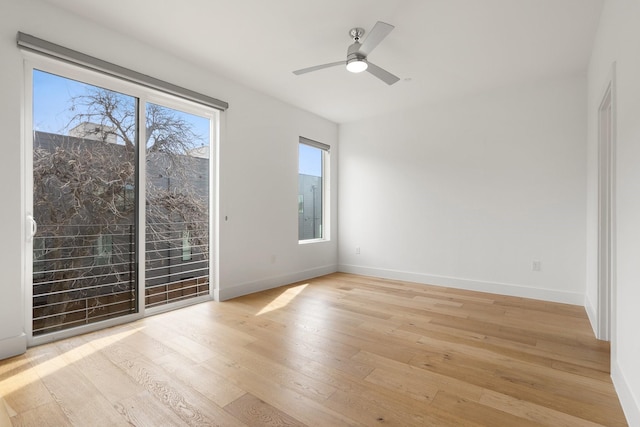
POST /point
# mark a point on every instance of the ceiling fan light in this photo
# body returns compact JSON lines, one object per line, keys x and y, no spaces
{"x":357,"y":65}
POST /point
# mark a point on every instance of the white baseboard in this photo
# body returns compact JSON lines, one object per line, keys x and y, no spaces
{"x":630,"y":403}
{"x":13,"y":346}
{"x":592,"y":314}
{"x":574,"y":298}
{"x":227,"y":292}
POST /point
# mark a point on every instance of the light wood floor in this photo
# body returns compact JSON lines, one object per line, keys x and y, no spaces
{"x":337,"y":350}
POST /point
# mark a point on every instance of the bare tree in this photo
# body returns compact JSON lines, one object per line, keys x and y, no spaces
{"x":84,"y":197}
{"x":166,"y":131}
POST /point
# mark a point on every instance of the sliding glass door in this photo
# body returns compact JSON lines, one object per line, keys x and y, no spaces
{"x":120,"y":215}
{"x":177,"y":205}
{"x":84,"y":199}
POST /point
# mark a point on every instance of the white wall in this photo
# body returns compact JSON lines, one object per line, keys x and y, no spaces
{"x":259,"y":190}
{"x":469,"y":193}
{"x":12,"y":339}
{"x":258,"y":171}
{"x":618,"y":40}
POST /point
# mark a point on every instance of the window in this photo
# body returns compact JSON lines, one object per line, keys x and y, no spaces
{"x":104,"y":249}
{"x":186,"y":246}
{"x":312,"y":166}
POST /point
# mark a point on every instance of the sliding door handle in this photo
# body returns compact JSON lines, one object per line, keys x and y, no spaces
{"x":33,"y":226}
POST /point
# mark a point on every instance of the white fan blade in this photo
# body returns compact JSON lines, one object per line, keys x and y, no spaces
{"x":376,"y":35}
{"x":318,"y":67}
{"x":383,"y":75}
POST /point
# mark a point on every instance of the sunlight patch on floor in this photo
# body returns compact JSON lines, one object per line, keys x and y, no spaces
{"x":40,"y":370}
{"x":283,"y":299}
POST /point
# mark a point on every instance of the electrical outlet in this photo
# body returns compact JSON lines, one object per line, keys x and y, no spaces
{"x":358,"y":250}
{"x":536,"y":265}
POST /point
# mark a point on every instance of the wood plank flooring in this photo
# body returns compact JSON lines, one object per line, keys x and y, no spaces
{"x":339,"y":350}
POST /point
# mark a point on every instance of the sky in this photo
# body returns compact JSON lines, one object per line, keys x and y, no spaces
{"x":51,"y":113}
{"x":310,"y":162}
{"x":52,"y":101}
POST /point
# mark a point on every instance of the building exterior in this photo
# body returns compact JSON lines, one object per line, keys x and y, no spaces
{"x":309,"y":207}
{"x":94,"y":132}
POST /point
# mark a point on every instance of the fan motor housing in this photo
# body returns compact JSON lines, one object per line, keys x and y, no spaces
{"x":353,"y":53}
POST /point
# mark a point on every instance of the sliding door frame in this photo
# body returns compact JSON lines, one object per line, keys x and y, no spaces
{"x":170,"y":101}
{"x":33,"y":61}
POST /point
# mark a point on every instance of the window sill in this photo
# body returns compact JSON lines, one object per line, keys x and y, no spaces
{"x":309,"y":241}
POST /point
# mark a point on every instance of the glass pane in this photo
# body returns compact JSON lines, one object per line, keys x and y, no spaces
{"x":310,"y":187}
{"x":177,"y":205}
{"x":84,"y":157}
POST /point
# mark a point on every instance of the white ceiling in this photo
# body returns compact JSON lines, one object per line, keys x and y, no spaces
{"x":440,"y":48}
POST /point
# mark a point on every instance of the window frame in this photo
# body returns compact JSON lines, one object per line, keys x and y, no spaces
{"x":325,"y":223}
{"x":187,"y":106}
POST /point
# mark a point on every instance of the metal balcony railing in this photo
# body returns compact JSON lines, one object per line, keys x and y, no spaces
{"x":82,"y":274}
{"x":176,"y":261}
{"x":87,"y":273}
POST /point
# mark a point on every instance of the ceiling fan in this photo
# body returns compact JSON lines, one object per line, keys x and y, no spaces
{"x":357,"y":54}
